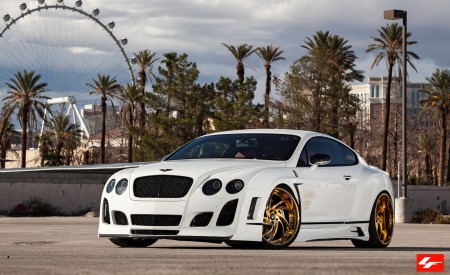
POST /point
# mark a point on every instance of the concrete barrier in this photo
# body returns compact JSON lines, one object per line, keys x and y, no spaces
{"x":76,"y":188}
{"x":428,"y":197}
{"x":71,"y":189}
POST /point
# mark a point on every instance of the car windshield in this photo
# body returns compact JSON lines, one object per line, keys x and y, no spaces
{"x":243,"y":146}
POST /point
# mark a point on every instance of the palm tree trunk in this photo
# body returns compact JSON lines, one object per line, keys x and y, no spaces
{"x":240,"y":73}
{"x":442,"y":148}
{"x":103,"y":137}
{"x":386,"y":118}
{"x":130,"y":135}
{"x":428,"y":171}
{"x":3,"y":156}
{"x":143,"y":112}
{"x":24,"y":135}
{"x":448,"y":164}
{"x":267,"y":97}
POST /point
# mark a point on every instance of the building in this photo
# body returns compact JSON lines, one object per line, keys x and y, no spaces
{"x":373,"y":98}
{"x":92,"y":115}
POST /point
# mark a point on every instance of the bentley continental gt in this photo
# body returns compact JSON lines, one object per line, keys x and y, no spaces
{"x":251,"y":188}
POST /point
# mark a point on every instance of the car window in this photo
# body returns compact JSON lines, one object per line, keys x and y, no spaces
{"x":340,"y":154}
{"x":244,"y":145}
{"x":348,"y":156}
{"x":207,"y":150}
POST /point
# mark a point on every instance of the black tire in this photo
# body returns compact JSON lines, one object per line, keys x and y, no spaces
{"x":132,"y":242}
{"x":281,"y":223}
{"x":381,"y":224}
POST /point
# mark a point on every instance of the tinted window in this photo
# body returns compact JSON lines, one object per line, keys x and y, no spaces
{"x":348,"y":156}
{"x":250,"y":146}
{"x":339,"y":154}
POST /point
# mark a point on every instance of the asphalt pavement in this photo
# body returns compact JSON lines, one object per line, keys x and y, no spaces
{"x":69,"y":245}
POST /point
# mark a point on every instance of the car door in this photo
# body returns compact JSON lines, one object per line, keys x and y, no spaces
{"x":327,"y":189}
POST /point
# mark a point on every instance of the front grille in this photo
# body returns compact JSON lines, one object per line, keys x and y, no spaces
{"x":156,"y":220}
{"x":162,"y":186}
{"x":154,"y":232}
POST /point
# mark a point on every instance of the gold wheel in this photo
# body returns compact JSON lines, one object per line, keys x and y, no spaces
{"x":281,"y":219}
{"x":384,"y":220}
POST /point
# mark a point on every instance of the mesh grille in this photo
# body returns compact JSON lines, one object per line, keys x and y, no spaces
{"x":156,"y":220}
{"x":162,"y":186}
{"x":154,"y":232}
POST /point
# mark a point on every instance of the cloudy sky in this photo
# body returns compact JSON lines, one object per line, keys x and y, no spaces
{"x":198,"y":27}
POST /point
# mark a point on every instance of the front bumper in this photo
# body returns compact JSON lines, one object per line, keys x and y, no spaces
{"x":241,"y":225}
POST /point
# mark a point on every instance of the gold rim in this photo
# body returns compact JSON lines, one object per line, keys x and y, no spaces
{"x":281,"y":218}
{"x":384,"y":220}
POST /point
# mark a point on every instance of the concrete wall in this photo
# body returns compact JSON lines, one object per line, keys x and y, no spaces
{"x":73,"y":189}
{"x":427,"y":197}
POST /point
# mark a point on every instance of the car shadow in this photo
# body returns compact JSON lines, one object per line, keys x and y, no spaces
{"x":318,"y":248}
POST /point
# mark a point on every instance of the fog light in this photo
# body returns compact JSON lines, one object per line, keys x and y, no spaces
{"x":121,"y":186}
{"x":234,"y":186}
{"x":211,"y":187}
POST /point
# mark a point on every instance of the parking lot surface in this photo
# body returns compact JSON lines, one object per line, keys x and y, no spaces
{"x":69,"y":245}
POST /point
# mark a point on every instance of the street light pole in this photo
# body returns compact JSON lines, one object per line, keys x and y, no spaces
{"x":394,"y":15}
{"x":404,"y":109}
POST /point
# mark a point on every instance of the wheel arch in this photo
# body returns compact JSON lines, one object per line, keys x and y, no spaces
{"x":376,"y":184}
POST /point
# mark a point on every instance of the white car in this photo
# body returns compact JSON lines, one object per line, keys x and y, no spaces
{"x":247,"y":188}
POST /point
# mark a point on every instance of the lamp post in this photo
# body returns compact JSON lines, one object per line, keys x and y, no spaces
{"x":404,"y":205}
{"x":394,"y":15}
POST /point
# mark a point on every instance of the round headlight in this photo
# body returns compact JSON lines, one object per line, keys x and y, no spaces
{"x":234,"y":186}
{"x":110,"y":186}
{"x":211,"y":187}
{"x":121,"y":186}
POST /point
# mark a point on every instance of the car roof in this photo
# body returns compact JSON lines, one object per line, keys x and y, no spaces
{"x":300,"y":133}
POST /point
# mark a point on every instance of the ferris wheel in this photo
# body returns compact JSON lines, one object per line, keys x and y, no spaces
{"x":67,"y":45}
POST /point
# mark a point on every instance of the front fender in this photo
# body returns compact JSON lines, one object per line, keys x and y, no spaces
{"x":255,"y":199}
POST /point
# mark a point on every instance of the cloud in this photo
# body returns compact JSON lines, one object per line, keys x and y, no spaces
{"x":86,"y":50}
{"x":198,"y":27}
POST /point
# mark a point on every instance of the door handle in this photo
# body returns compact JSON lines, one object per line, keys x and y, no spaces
{"x":347,"y":177}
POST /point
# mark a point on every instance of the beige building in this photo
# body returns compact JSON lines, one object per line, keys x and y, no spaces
{"x":373,"y":98}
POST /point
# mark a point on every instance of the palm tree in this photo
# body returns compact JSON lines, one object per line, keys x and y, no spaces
{"x":129,"y":96}
{"x":240,"y":53}
{"x":107,"y":88}
{"x":25,"y":95}
{"x":438,"y":100}
{"x":65,"y":134}
{"x":268,"y":54}
{"x":335,"y":63}
{"x":426,"y":145}
{"x":5,"y":140}
{"x":144,"y":59}
{"x":170,"y":60}
{"x":389,"y":47}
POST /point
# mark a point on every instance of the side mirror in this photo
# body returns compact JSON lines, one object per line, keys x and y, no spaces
{"x":320,"y":159}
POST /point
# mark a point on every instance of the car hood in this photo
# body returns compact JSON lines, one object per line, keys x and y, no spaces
{"x":201,"y":168}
